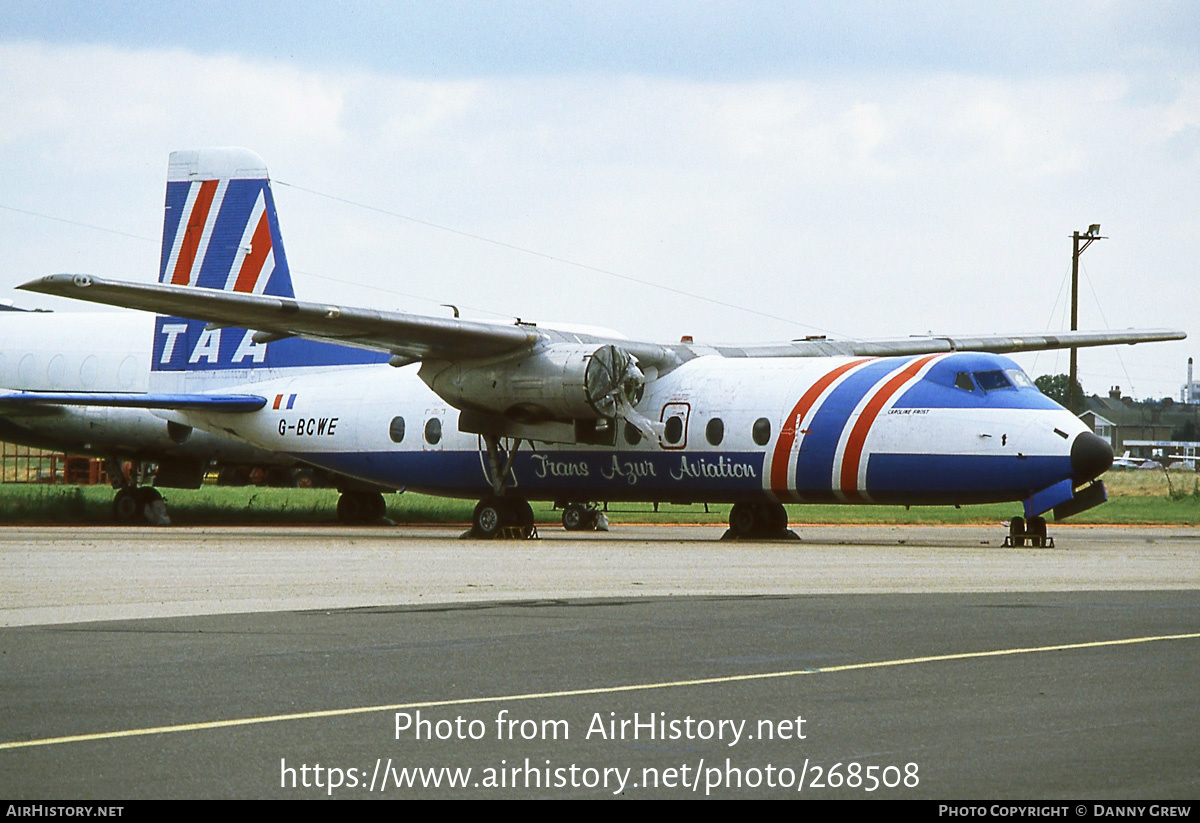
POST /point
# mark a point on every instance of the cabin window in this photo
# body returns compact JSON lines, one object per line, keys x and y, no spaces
{"x":433,"y":431}
{"x":964,"y":381}
{"x":673,"y":432}
{"x":761,"y":431}
{"x":715,"y":431}
{"x":632,"y":435}
{"x":396,"y":429}
{"x":992,"y":380}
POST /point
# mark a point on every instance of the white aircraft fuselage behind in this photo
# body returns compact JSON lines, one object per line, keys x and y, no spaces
{"x":96,"y":352}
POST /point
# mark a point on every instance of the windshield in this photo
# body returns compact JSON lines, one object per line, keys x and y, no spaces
{"x":992,"y":380}
{"x":1020,"y":379}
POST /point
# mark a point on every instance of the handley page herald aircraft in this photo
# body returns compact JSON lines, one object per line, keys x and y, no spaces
{"x":510,"y":413}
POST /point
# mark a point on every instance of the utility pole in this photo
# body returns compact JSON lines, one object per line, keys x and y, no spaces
{"x":1089,"y":237}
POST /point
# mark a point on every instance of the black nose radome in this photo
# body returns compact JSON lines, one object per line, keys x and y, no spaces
{"x":1091,"y":456}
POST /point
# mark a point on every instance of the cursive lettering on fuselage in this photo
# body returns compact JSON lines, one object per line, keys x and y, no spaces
{"x":546,"y":466}
{"x":631,"y":470}
{"x":703,"y":467}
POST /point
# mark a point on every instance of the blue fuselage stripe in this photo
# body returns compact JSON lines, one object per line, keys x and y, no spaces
{"x":709,"y":477}
{"x":814,"y":466}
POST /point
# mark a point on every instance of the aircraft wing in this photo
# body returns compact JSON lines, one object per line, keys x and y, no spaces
{"x":933,"y":344}
{"x":411,"y":337}
{"x":134,"y":400}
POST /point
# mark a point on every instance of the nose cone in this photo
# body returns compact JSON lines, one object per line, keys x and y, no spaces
{"x":1091,"y":456}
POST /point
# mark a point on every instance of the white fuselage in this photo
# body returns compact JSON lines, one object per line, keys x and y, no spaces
{"x":892,"y":430}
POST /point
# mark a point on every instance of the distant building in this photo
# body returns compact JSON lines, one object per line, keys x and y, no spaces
{"x":1121,"y":419}
{"x":1190,"y":393}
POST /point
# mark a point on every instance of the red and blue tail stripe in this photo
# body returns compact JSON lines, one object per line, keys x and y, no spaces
{"x":221,"y":231}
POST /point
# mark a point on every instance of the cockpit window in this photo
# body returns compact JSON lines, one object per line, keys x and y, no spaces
{"x":1020,"y":379}
{"x":992,"y":380}
{"x":964,"y":382}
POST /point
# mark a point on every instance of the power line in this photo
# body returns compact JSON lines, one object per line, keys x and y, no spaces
{"x":76,"y":223}
{"x":552,"y":258}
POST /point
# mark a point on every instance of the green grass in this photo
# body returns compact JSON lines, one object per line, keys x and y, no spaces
{"x":1135,"y":499}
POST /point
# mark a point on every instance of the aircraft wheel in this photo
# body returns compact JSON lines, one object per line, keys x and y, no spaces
{"x":1016,"y":531}
{"x":575,"y":517}
{"x":376,"y":506}
{"x":147,"y":494}
{"x":491,"y":515}
{"x":744,"y":520}
{"x":778,"y":518}
{"x":151,"y":506}
{"x":127,"y":506}
{"x":278,"y":477}
{"x":350,"y":508}
{"x":524,"y":516}
{"x":1037,"y":531}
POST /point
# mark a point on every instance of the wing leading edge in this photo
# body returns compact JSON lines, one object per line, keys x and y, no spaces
{"x":410,"y":337}
{"x":936,"y":344}
{"x":134,"y":400}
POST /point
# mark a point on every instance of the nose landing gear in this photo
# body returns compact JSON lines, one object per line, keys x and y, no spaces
{"x":759,"y":521}
{"x":1032,"y":532}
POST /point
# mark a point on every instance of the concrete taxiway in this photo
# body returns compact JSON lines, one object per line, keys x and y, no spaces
{"x":65,"y":574}
{"x":928,"y":662}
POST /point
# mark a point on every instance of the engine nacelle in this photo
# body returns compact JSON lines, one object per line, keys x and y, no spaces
{"x":560,"y":381}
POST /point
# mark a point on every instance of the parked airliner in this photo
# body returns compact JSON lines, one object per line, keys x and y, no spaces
{"x":509,"y":413}
{"x":80,"y":352}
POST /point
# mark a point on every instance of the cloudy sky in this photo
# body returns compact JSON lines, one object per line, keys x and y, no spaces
{"x":733,"y":171}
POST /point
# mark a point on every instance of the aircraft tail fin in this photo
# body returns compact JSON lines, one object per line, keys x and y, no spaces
{"x":221,"y":232}
{"x":220,"y":229}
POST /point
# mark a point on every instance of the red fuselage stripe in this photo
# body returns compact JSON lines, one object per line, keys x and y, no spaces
{"x":858,"y":435}
{"x":787,"y":434}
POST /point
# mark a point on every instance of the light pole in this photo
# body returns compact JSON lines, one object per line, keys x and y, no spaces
{"x":1089,"y":237}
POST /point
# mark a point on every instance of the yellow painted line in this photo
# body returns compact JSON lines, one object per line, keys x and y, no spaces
{"x":637,"y":687}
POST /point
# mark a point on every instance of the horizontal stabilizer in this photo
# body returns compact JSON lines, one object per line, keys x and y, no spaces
{"x":130,"y":400}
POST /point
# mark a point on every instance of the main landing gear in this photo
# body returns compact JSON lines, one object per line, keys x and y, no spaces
{"x":580,"y":517}
{"x":1031,"y":532}
{"x":759,"y":521}
{"x":497,"y":516}
{"x":134,"y":504}
{"x":500,"y":515}
{"x":356,"y":506}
